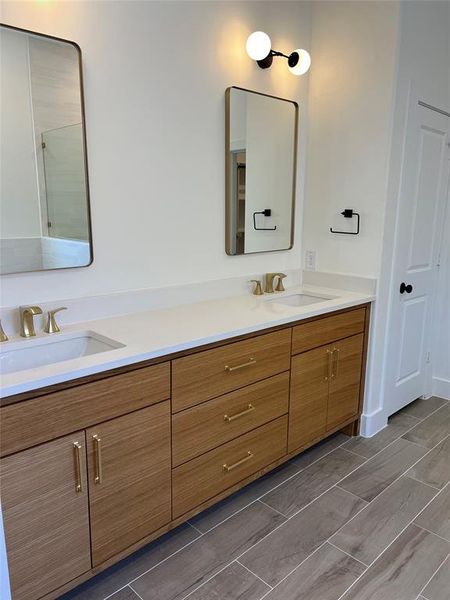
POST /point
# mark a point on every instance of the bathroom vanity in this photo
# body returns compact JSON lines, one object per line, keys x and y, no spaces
{"x":95,"y":467}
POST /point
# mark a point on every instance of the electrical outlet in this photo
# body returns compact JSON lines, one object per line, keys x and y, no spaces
{"x":310,"y":260}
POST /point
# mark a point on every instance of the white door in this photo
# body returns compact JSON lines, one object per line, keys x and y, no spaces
{"x":414,"y":276}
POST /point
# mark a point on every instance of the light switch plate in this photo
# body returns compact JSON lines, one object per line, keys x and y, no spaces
{"x":310,"y":260}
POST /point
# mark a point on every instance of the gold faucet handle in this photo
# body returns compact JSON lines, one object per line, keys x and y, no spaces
{"x":52,"y":325}
{"x":3,"y":336}
{"x":258,"y":288}
{"x":280,"y":286}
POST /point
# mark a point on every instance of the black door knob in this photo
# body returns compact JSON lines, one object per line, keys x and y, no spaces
{"x":405,"y":288}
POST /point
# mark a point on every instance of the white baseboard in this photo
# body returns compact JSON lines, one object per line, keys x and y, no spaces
{"x":441,"y":387}
{"x":373,"y":423}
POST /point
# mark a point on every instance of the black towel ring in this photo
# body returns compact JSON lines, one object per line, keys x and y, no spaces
{"x":349,"y":213}
{"x":267,"y":212}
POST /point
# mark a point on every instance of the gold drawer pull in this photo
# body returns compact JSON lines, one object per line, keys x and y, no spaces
{"x":329,"y":373}
{"x":229,"y":418}
{"x":228,"y":468}
{"x":98,"y":475}
{"x":77,"y":454}
{"x":251,"y":362}
{"x":335,"y":363}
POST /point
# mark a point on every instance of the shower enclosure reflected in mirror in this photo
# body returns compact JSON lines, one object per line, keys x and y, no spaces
{"x":261,"y":160}
{"x":44,"y":195}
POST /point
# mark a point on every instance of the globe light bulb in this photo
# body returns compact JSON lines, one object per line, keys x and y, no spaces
{"x":304,"y":62}
{"x":258,"y":45}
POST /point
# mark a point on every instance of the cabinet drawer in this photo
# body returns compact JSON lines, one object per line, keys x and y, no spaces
{"x":327,"y":329}
{"x":204,"y":427}
{"x":211,"y":373}
{"x":32,"y":422}
{"x":206,"y":476}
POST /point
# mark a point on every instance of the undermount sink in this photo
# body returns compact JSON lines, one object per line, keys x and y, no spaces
{"x":38,"y":352}
{"x":299,"y":299}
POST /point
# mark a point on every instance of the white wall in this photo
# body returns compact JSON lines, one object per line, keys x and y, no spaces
{"x":351,"y":90}
{"x":20,"y":214}
{"x":155,"y":79}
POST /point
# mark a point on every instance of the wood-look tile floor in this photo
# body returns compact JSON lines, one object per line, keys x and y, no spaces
{"x":350,"y":519}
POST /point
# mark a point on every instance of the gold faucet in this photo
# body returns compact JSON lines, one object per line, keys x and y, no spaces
{"x":52,"y":325}
{"x":26,"y":320}
{"x":3,"y":336}
{"x":258,"y":289}
{"x":280,"y":286}
{"x":268,"y":282}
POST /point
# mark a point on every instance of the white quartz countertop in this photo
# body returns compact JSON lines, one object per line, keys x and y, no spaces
{"x":154,"y":333}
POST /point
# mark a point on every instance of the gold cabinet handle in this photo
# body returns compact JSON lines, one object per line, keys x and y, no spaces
{"x":229,"y":418}
{"x":77,"y":448}
{"x":98,"y":475}
{"x":251,"y":362}
{"x":228,"y":468}
{"x":329,"y":371}
{"x":335,"y":362}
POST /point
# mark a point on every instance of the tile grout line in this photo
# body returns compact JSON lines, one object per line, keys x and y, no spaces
{"x":293,"y":570}
{"x":385,"y":489}
{"x":303,"y":508}
{"x":318,"y":548}
{"x":446,"y":402}
{"x":428,"y":451}
{"x":353,"y":452}
{"x":347,"y":553}
{"x":324,"y":543}
{"x":327,"y":541}
{"x":274,"y":488}
{"x":272,"y":508}
{"x":194,"y":527}
{"x":236,"y":559}
{"x":151,"y":568}
{"x":254,"y":574}
{"x":433,"y":487}
{"x":395,"y":539}
{"x":135,"y":592}
{"x":442,"y":563}
{"x":432,"y":532}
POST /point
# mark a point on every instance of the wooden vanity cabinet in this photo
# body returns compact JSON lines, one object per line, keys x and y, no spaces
{"x":156,"y":444}
{"x":129,"y":479}
{"x":46,"y":516}
{"x":326,"y":382}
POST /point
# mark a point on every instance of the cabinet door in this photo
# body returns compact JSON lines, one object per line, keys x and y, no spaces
{"x":345,"y":381}
{"x":309,"y":396}
{"x":45,"y":512}
{"x":129,"y":479}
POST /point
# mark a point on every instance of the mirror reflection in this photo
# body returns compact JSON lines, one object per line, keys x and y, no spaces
{"x":44,"y":200}
{"x":261,"y":144}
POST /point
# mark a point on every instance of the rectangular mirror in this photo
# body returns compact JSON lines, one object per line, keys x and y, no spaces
{"x":44,"y":195}
{"x":261,"y":159}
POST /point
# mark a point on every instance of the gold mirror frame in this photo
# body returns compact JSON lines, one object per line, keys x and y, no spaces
{"x":85,"y":155}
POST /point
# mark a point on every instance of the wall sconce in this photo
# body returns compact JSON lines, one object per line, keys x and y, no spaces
{"x":259,"y":48}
